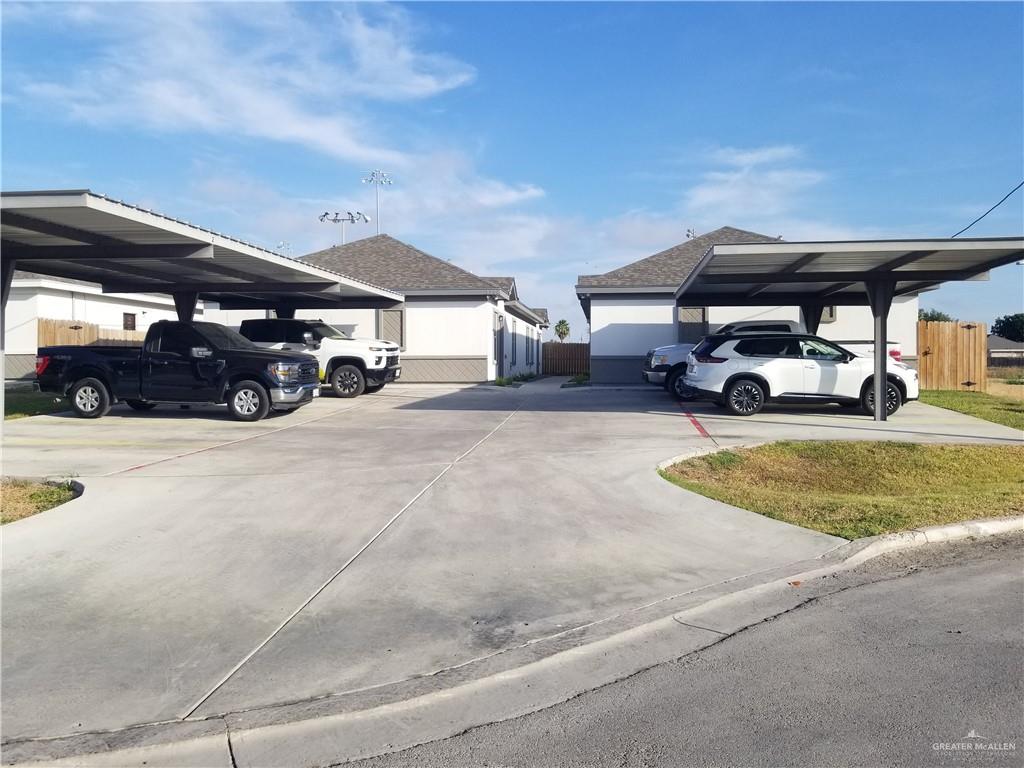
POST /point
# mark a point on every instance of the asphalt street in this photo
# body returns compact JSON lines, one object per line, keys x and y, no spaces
{"x":913,"y":659}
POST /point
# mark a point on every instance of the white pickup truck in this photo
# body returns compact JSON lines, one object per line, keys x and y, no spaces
{"x":665,"y":366}
{"x":350,"y":366}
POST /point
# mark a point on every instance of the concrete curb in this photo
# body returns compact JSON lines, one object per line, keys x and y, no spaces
{"x":534,"y":686}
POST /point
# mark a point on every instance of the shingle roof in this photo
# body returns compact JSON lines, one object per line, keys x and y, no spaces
{"x":505,"y":283}
{"x":673,"y":265}
{"x":1003,"y":344}
{"x":389,"y":263}
{"x":542,"y":314}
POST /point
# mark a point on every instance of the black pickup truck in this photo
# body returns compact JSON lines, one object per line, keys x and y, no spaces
{"x":180,"y":363}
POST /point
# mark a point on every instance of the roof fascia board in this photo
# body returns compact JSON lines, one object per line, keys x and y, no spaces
{"x":587,"y":289}
{"x":865,"y":246}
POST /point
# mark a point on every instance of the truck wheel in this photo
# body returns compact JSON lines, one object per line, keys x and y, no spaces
{"x":248,"y":401}
{"x":347,"y":381}
{"x":893,"y":399}
{"x":677,"y":386}
{"x":90,"y":398}
{"x":140,"y":405}
{"x":745,"y":397}
{"x":375,"y":388}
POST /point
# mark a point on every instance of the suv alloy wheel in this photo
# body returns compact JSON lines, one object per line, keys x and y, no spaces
{"x":745,"y":397}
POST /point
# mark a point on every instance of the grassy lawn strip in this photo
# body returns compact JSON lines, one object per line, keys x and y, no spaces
{"x":854,"y":489}
{"x":21,"y":403}
{"x":24,"y":499}
{"x":1001,"y":410}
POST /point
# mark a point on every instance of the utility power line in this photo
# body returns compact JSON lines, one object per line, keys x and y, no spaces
{"x":986,"y":213}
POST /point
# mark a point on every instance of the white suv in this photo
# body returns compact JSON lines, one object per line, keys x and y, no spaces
{"x":742,"y":372}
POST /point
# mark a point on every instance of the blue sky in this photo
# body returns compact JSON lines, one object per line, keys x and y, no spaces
{"x":538,"y":140}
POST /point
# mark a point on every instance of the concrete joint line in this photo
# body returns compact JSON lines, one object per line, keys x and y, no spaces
{"x":337,"y":573}
{"x":232,"y":442}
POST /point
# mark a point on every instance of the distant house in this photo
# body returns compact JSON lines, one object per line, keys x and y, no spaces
{"x":34,"y":297}
{"x":1005,"y":352}
{"x":633,"y":309}
{"x":454,"y":326}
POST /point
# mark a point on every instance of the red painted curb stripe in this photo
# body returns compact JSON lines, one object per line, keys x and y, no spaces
{"x":697,"y":425}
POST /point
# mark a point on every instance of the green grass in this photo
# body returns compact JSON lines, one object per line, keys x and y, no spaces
{"x":20,"y":498}
{"x":21,"y":403}
{"x":579,"y":380}
{"x":855,"y":489}
{"x":1001,"y":410}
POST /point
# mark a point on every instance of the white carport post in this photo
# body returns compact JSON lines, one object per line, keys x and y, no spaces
{"x":880,"y":295}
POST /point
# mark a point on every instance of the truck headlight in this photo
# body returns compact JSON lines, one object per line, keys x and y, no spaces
{"x":286,"y":373}
{"x":659,"y":360}
{"x":378,"y":349}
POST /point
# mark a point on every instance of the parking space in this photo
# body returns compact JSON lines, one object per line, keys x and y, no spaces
{"x":213,"y":567}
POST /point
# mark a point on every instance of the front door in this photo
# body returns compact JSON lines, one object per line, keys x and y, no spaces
{"x":826,"y":371}
{"x":170,"y":372}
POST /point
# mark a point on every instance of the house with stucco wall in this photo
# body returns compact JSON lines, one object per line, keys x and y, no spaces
{"x":454,"y":326}
{"x":633,"y":309}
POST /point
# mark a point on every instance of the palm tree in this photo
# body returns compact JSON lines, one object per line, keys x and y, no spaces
{"x":562,"y":330}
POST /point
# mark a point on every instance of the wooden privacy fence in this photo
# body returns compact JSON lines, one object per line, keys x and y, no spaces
{"x":57,"y":332}
{"x":952,"y":355}
{"x":566,"y":359}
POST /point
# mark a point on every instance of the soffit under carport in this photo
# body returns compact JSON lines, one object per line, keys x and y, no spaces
{"x":835,"y":273}
{"x":78,"y":235}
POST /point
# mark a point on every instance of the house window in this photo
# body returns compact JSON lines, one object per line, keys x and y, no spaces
{"x":392,"y":326}
{"x":513,"y":342}
{"x":128,"y":321}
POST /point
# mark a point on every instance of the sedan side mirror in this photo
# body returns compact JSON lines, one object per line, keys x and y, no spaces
{"x":200,"y":352}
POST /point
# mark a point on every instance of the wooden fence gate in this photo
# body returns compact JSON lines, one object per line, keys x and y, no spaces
{"x":52,"y":333}
{"x":952,"y":355}
{"x":566,"y":358}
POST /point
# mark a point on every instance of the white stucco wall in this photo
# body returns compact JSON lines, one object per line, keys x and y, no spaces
{"x":523,"y":335}
{"x":448,"y":328}
{"x":33,"y":298}
{"x":630,"y":327}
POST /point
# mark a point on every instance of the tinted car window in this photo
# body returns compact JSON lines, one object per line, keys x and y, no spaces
{"x":768,"y":348}
{"x":223,"y":337}
{"x":179,"y":339}
{"x":264,"y":331}
{"x":293,"y":332}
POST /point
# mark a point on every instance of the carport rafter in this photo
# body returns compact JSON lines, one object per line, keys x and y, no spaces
{"x":201,"y":287}
{"x":86,"y":253}
{"x":53,"y":229}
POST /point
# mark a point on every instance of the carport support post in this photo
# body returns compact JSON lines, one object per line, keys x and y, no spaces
{"x":880,"y":293}
{"x":812,"y":316}
{"x":285,"y":313}
{"x":185,"y":304}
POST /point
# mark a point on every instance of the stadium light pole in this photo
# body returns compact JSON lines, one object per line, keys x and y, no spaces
{"x":349,"y":218}
{"x":378,"y":178}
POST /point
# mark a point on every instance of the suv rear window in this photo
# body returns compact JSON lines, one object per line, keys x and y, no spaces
{"x":707,"y":345}
{"x":768,"y":348}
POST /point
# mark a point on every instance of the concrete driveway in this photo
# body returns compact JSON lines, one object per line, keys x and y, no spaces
{"x":360,"y":550}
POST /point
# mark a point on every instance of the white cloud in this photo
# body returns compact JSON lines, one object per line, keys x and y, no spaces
{"x":261,"y":70}
{"x":746,"y":158}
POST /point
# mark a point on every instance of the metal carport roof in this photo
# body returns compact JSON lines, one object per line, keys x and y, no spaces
{"x":834,"y":273}
{"x":813,"y":275}
{"x":81,"y":235}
